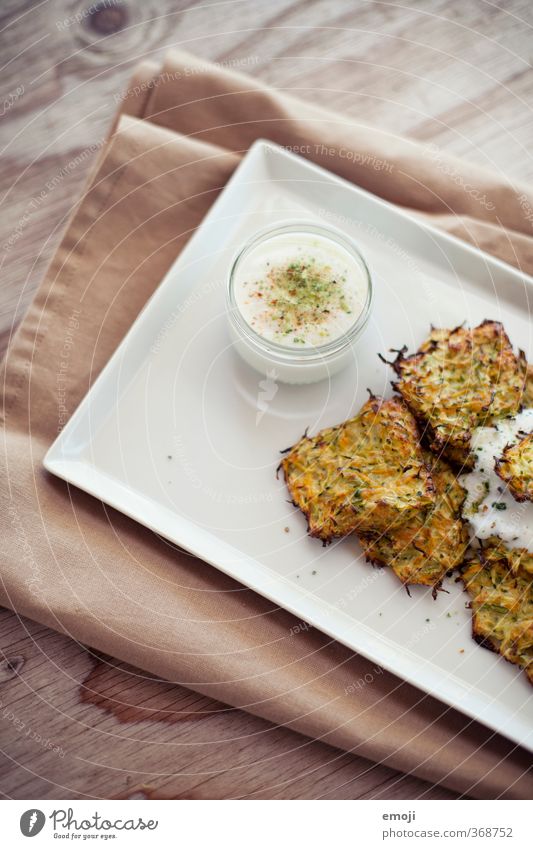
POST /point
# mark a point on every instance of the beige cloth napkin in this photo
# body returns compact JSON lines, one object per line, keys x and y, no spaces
{"x":85,"y":570}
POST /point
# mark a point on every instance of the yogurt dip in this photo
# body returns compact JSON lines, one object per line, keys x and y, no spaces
{"x":298,"y":296}
{"x":489,"y":506}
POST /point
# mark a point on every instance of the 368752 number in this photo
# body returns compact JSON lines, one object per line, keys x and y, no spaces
{"x":489,"y":831}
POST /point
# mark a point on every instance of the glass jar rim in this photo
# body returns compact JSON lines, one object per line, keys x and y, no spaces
{"x":316,"y":352}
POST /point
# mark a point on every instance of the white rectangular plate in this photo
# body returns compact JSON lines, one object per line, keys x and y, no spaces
{"x":175,"y":389}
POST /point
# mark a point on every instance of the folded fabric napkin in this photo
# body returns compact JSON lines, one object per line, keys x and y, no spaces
{"x":77,"y":566}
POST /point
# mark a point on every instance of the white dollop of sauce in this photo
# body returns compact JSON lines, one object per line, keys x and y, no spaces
{"x":489,"y":506}
{"x":254,"y":293}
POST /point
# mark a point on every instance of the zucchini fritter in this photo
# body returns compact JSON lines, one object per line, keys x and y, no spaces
{"x":434,"y":541}
{"x":501,"y":589}
{"x":367,"y":474}
{"x":518,"y":560}
{"x":458,"y":380}
{"x":527,"y":398}
{"x":515,"y":467}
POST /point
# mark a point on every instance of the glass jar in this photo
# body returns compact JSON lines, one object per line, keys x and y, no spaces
{"x":289,"y":363}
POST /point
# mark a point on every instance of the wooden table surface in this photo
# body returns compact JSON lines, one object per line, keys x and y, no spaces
{"x":74,"y":724}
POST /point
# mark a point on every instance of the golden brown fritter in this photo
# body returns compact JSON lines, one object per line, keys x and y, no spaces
{"x":515,"y":467}
{"x":500,"y":584}
{"x":527,"y":398}
{"x":434,"y":541}
{"x":518,"y":560}
{"x":458,"y":380}
{"x":367,"y":474}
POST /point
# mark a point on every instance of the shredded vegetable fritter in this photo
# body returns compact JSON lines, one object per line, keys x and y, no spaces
{"x":432,"y":542}
{"x":515,"y":467}
{"x":458,"y":380}
{"x":500,"y":584}
{"x":527,"y":398}
{"x":367,"y":474}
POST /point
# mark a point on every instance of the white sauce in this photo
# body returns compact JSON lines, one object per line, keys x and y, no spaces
{"x":489,"y":506}
{"x":331,"y":260}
